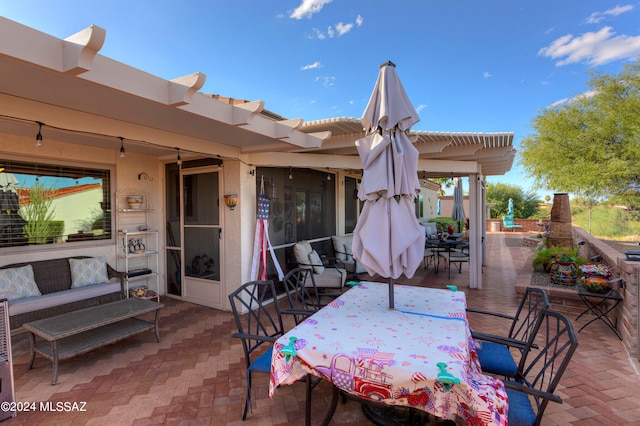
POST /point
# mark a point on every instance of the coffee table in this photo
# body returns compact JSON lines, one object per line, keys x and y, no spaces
{"x":74,"y":333}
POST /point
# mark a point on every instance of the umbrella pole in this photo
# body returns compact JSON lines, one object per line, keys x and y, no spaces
{"x":391,"y":304}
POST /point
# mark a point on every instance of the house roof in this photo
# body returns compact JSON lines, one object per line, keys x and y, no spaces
{"x":67,"y":85}
{"x":85,"y":98}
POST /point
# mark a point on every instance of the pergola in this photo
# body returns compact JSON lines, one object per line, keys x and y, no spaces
{"x":89,"y":99}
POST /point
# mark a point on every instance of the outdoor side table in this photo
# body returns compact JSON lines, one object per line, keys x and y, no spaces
{"x":600,"y":305}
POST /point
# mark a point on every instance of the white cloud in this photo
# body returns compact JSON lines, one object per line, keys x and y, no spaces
{"x":326,"y":81}
{"x":338,"y":30}
{"x":312,"y":66}
{"x":597,"y":17}
{"x":593,"y":48}
{"x":343,"y":28}
{"x":487,"y":74}
{"x":587,"y":94}
{"x":420,"y":107}
{"x":319,"y":34}
{"x":307,"y":8}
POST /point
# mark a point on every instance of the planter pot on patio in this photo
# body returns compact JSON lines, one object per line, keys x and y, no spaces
{"x":563,"y":272}
{"x":595,"y":284}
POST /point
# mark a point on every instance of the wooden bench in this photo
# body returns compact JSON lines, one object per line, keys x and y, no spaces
{"x":68,"y":335}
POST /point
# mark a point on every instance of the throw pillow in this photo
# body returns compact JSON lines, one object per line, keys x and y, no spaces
{"x":316,"y":262}
{"x":17,"y":283}
{"x":338,"y":245}
{"x":89,"y":271}
{"x":348,"y":250}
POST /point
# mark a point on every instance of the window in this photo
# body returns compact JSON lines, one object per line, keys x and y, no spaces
{"x":302,"y":207}
{"x":53,"y":203}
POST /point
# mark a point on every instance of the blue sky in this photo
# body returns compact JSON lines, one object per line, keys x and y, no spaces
{"x":467,"y":66}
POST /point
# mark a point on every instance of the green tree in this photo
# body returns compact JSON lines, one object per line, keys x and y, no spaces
{"x":525,"y":204}
{"x":587,"y":202}
{"x":38,"y":214}
{"x":589,"y":145}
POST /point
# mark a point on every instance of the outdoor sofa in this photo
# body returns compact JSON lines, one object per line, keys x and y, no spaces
{"x":45,"y":288}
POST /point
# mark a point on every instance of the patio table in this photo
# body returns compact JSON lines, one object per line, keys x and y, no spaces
{"x":418,"y":355}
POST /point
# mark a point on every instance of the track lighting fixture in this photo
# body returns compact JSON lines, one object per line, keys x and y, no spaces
{"x":39,"y":135}
{"x":121,"y":147}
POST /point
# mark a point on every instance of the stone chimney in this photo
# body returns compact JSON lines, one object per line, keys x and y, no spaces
{"x":560,"y":231}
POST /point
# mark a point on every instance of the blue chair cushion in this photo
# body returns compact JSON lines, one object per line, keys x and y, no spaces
{"x":520,"y":410}
{"x":262,"y":364}
{"x":496,"y":359}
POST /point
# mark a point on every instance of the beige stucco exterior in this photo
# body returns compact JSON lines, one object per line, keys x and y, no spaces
{"x":88,"y":104}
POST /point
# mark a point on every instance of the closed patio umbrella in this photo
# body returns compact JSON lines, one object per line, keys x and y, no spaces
{"x":457,"y":213}
{"x":388,"y":240}
{"x":510,"y":208}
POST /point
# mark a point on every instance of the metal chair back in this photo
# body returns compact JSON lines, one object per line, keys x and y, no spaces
{"x":302,"y":294}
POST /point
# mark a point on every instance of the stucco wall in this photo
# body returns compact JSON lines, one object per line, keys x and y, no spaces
{"x":125,"y":178}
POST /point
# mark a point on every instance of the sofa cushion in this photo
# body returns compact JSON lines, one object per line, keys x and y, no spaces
{"x":89,"y":271}
{"x":17,"y":283}
{"x":331,"y":278}
{"x":316,"y":262}
{"x":301,"y":251}
{"x":340,"y":244}
{"x":338,"y":247}
{"x":49,"y":300}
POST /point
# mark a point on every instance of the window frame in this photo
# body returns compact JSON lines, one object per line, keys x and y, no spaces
{"x":109,"y":211}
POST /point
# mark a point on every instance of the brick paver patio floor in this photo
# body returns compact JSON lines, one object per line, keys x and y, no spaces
{"x":195,"y":376}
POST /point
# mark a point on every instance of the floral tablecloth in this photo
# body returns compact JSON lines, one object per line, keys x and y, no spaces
{"x":411,"y":356}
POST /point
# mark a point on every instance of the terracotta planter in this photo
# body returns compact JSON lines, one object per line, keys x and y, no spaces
{"x":595,"y":284}
{"x":564,"y":273}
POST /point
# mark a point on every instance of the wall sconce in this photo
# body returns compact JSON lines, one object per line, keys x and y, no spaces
{"x":231,"y":201}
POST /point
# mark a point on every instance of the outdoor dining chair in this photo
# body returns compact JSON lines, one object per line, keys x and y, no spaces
{"x":302,"y":294}
{"x":259,"y":324}
{"x":541,"y":371}
{"x":494,"y":351}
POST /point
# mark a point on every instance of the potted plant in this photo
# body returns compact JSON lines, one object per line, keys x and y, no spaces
{"x":564,"y":267}
{"x":546,"y":255}
{"x":595,"y":277}
{"x":543,"y":258}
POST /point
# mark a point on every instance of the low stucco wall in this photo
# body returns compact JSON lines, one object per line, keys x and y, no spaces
{"x":528,"y":225}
